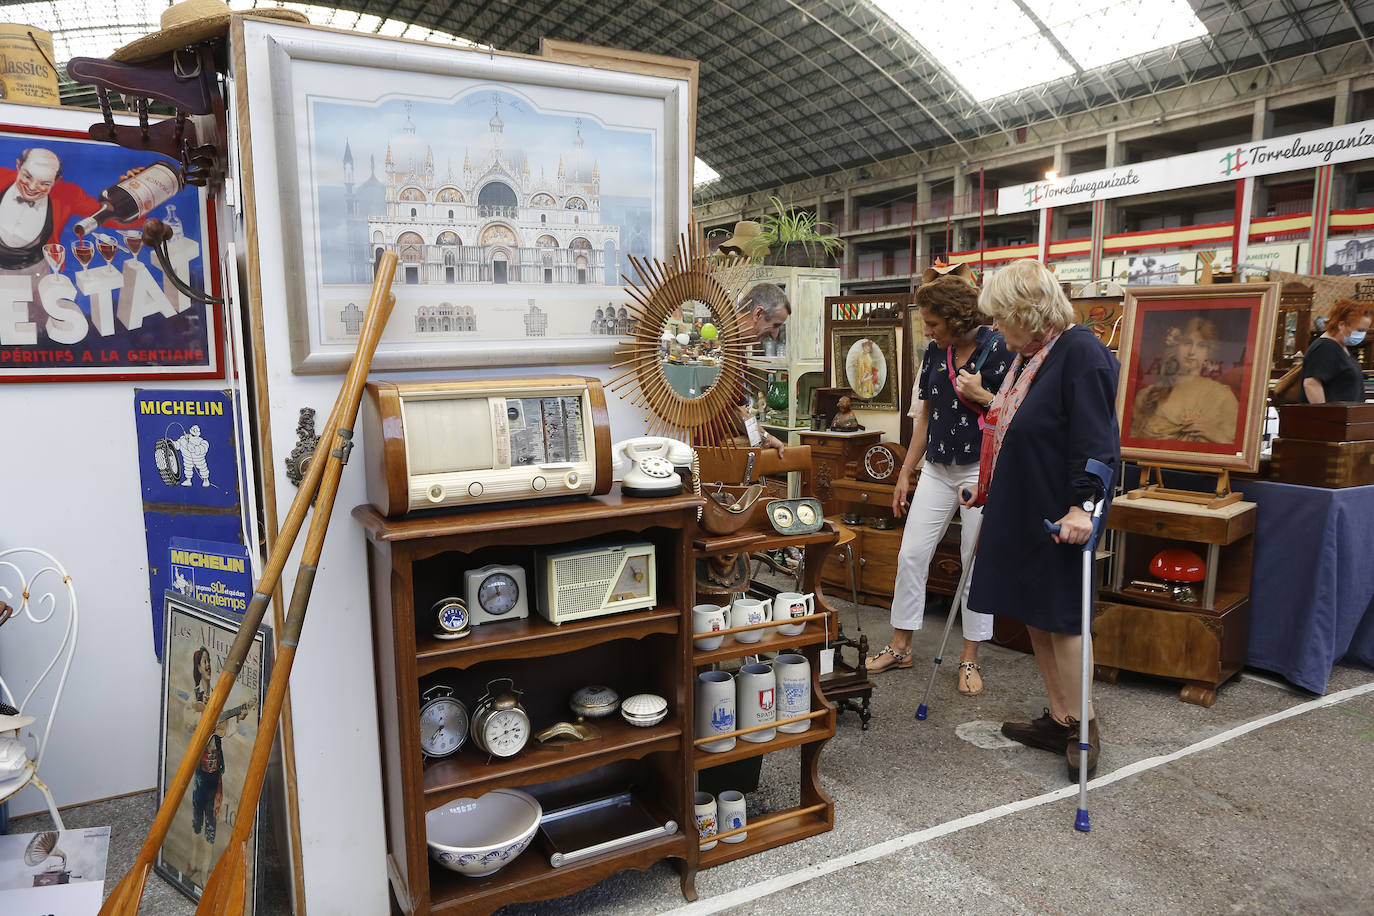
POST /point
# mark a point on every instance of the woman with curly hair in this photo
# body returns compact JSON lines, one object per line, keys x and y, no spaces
{"x":962,"y":368}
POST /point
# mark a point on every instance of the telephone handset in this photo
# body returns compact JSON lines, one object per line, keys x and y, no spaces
{"x":654,"y":461}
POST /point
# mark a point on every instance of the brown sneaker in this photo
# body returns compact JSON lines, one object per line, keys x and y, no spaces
{"x":1072,"y":750}
{"x":888,"y":658}
{"x":1044,"y":733}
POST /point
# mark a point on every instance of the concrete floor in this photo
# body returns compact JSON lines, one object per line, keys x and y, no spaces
{"x":1261,"y":804}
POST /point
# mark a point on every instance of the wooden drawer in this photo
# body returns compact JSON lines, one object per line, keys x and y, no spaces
{"x":879,"y":563}
{"x":1182,"y":521}
{"x":1327,"y":422}
{"x":836,"y":569}
{"x":1323,"y":464}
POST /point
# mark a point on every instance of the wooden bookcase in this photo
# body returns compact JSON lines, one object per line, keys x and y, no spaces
{"x":816,"y":811}
{"x":414,"y":562}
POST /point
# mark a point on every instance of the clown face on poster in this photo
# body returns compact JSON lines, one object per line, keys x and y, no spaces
{"x":81,"y":298}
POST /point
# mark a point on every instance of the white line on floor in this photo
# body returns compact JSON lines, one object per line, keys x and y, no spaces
{"x":897,"y":844}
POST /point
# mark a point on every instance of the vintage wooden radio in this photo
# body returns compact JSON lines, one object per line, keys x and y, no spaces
{"x":442,"y":444}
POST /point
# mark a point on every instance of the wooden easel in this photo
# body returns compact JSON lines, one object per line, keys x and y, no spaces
{"x":1156,"y":490}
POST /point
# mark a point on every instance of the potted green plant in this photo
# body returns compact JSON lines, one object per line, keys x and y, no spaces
{"x":796,"y":238}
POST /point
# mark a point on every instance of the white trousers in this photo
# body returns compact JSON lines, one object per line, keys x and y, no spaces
{"x":932,"y":508}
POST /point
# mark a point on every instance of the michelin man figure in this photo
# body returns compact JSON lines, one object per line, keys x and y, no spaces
{"x":193,"y":449}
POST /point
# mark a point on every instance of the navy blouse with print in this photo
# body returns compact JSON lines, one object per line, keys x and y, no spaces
{"x":953,"y":436}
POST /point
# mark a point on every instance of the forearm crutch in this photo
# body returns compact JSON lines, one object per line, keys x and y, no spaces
{"x":337,"y":439}
{"x":1104,"y":474}
{"x":956,"y":609}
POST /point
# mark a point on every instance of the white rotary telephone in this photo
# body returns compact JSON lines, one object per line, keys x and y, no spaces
{"x":654,"y":461}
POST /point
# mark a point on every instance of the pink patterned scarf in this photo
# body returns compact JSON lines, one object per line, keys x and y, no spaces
{"x":1003,"y":408}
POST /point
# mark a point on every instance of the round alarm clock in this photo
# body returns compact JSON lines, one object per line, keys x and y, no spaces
{"x":883,"y":462}
{"x":451,"y":620}
{"x":443,"y":722}
{"x":495,"y":592}
{"x":500,"y":725}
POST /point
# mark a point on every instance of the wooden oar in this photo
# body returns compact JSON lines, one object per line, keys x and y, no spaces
{"x":226,"y":888}
{"x":124,"y":900}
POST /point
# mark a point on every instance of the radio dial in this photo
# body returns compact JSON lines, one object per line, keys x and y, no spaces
{"x":539,"y":483}
{"x":475,"y":489}
{"x":436,"y":493}
{"x":572,"y":480}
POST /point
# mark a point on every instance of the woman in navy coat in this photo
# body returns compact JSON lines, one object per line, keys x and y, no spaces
{"x":1056,"y":409}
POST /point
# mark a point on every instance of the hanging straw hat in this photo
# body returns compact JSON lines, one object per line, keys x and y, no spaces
{"x":191,"y":22}
{"x":746,"y":240}
{"x":963,"y":271}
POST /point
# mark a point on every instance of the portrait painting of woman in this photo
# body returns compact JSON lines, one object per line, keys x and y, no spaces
{"x":1188,"y":403}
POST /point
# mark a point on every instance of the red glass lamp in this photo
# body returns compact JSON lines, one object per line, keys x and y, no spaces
{"x":1182,"y":569}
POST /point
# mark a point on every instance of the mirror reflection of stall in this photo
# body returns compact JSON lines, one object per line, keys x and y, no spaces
{"x":690,"y":351}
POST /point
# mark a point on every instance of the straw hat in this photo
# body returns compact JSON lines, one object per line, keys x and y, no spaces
{"x":963,"y":271}
{"x":746,"y":240}
{"x":191,"y":22}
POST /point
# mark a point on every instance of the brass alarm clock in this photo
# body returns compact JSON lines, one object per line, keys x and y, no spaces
{"x":883,"y":462}
{"x":500,"y":725}
{"x":443,"y":722}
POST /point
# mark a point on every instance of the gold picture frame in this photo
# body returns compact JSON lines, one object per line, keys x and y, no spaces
{"x":1194,"y":373}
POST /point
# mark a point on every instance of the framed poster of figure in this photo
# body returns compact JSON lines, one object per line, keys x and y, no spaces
{"x":514,"y":191}
{"x":1195,"y":368}
{"x":81,"y":299}
{"x":197,"y":638}
{"x":864,"y":359}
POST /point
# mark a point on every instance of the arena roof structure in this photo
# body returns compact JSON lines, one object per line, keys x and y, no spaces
{"x":792,"y":89}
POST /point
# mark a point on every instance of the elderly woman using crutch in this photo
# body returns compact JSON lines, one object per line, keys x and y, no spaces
{"x":1055,"y":411}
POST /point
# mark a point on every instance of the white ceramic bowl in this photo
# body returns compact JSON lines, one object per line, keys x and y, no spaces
{"x":478,"y":836}
{"x":644,"y":709}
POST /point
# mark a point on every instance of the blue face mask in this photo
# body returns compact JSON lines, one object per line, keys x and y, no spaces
{"x":1355,"y":339}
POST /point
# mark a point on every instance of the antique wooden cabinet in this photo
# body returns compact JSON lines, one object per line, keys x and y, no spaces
{"x":876,"y":549}
{"x":415,"y":562}
{"x":834,"y":456}
{"x":1199,"y":637}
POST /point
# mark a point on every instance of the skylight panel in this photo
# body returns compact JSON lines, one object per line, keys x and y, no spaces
{"x":1002,"y":49}
{"x":998,"y":51}
{"x":1097,"y":33}
{"x":702,"y":173}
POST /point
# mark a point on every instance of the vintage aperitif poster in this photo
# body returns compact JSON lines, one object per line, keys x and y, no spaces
{"x":81,"y":297}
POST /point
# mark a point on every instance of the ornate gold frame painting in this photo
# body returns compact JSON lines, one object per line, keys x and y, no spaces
{"x":865,"y":360}
{"x":1195,"y":367}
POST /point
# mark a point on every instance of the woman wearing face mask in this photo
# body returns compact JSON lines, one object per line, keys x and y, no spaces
{"x":1055,"y":410}
{"x":1329,"y":372}
{"x":1184,"y":404}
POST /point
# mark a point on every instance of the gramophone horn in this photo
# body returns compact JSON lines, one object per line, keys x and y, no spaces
{"x":41,"y":846}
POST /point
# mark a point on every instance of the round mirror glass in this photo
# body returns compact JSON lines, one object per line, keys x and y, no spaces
{"x":689,"y":352}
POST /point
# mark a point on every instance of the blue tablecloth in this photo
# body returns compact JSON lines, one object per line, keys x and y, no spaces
{"x":1312,"y":590}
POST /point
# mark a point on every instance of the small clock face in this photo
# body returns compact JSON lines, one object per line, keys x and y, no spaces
{"x":879,"y":462}
{"x":506,"y":732}
{"x":498,"y":593}
{"x":443,"y":727}
{"x":806,"y":514}
{"x":782,"y":517}
{"x":453,"y":617}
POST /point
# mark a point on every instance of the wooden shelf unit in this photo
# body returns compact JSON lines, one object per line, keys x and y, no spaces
{"x":416,"y":561}
{"x":816,"y":813}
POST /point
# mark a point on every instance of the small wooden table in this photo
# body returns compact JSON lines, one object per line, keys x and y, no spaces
{"x":1202,"y":642}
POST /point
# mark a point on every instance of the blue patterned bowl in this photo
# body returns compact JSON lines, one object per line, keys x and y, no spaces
{"x":478,"y":836}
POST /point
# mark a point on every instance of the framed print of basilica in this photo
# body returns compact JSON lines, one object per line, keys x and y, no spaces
{"x":514,"y":191}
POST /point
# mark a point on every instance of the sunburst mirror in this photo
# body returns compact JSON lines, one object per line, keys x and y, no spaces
{"x":687,"y":359}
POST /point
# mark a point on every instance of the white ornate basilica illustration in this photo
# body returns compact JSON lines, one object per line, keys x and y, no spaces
{"x":498,"y":218}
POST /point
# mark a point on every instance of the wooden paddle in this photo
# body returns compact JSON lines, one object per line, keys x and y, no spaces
{"x":225,"y":890}
{"x":124,"y":900}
